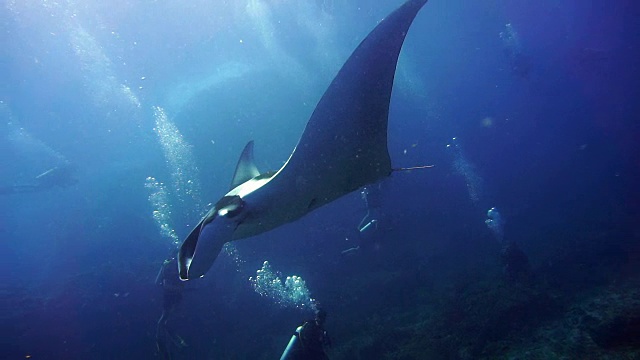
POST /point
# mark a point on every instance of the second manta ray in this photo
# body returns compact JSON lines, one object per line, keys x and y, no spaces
{"x":342,"y":148}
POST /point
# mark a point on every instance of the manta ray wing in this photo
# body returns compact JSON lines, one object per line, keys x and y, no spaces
{"x":344,"y":145}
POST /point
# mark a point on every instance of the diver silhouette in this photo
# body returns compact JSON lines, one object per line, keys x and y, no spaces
{"x":309,"y":340}
{"x":59,"y":176}
{"x":367,"y":236}
{"x":515,"y":263}
{"x":172,"y":288}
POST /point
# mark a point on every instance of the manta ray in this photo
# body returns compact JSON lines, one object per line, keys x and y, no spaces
{"x":343,"y":148}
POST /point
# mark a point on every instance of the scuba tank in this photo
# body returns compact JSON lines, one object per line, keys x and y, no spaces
{"x":294,"y":346}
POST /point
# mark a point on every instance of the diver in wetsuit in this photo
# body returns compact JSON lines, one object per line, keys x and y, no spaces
{"x":172,"y":288}
{"x":515,"y":263}
{"x":309,"y":340}
{"x":368,"y":236}
{"x":59,"y":176}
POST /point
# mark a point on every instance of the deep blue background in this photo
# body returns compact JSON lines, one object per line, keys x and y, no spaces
{"x":560,"y":158}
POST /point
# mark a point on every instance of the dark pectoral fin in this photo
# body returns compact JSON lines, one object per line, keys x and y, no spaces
{"x":344,"y":145}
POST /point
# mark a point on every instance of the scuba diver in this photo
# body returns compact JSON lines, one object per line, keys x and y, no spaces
{"x":59,"y":176}
{"x":172,"y":288}
{"x":515,"y":263}
{"x":309,"y":340}
{"x":368,"y":226}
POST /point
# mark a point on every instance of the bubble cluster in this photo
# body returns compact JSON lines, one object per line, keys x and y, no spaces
{"x":495,"y":223}
{"x":513,"y":49}
{"x":510,"y":37}
{"x":292,"y":293}
{"x":162,"y":209}
{"x":232,"y":252}
{"x":464,"y":168}
{"x":100,"y":79}
{"x":177,"y":152}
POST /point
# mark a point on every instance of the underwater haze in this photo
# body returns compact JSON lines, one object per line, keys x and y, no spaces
{"x":121,"y":123}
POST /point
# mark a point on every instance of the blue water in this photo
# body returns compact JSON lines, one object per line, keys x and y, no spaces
{"x":151,"y":102}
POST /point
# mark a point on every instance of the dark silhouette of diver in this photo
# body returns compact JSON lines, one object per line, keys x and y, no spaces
{"x":367,"y":235}
{"x":172,"y":288}
{"x":309,"y":340}
{"x":515,"y":263}
{"x":59,"y":176}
